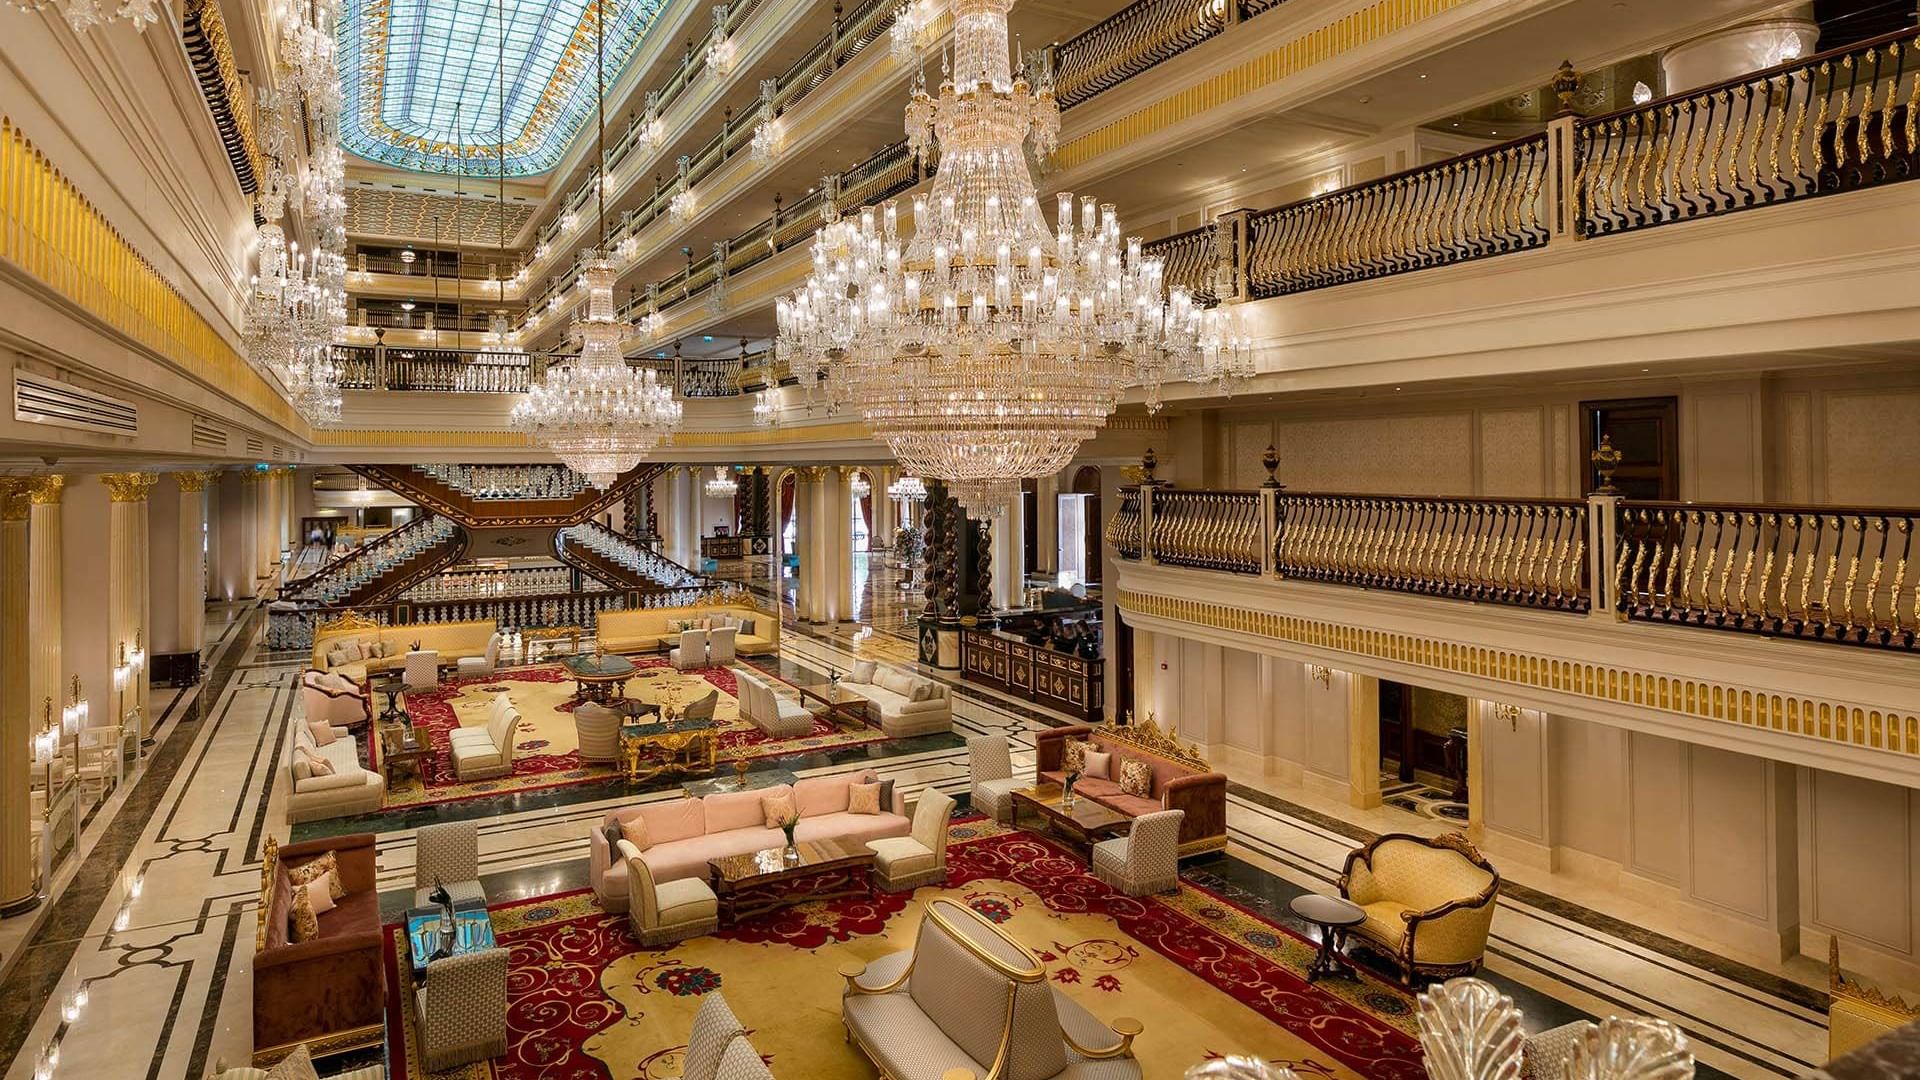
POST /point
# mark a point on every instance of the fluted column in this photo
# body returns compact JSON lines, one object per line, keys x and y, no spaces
{"x":263,"y":533}
{"x":810,"y":542}
{"x":47,"y":678}
{"x":840,"y":521}
{"x":190,"y":569}
{"x":1046,"y":526}
{"x":127,"y":584}
{"x":19,"y":891}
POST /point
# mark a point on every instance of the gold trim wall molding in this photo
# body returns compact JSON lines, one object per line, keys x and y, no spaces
{"x":1833,"y":721}
{"x":56,"y":236}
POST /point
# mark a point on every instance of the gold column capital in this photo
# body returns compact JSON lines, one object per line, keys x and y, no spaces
{"x":811,"y":474}
{"x":46,"y":490}
{"x":13,"y":497}
{"x":195,"y":480}
{"x":129,"y":487}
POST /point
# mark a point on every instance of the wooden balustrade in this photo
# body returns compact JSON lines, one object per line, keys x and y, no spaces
{"x":1839,"y":121}
{"x":1821,"y":573}
{"x":1191,"y":260}
{"x":1129,"y":42}
{"x":1123,"y":528}
{"x":1214,"y":530}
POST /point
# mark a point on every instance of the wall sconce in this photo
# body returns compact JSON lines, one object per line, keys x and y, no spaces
{"x":1321,"y":674}
{"x":138,"y":655}
{"x":121,"y":669}
{"x":1509,"y":713}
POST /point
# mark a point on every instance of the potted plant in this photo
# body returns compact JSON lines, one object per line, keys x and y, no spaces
{"x":787,"y":823}
{"x":1066,"y":799}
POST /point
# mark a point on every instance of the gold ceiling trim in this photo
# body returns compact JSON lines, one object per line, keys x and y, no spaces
{"x":468,"y":219}
{"x":1351,"y":31}
{"x":1833,"y":721}
{"x":396,"y":438}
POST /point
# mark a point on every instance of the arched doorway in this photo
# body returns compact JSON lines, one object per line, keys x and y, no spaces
{"x":1086,"y":483}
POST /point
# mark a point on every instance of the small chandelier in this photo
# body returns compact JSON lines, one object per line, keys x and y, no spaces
{"x":596,"y":414}
{"x":860,"y":486}
{"x":986,"y":347}
{"x":680,"y":207}
{"x":720,"y":50}
{"x":907,"y":489}
{"x":651,"y":322}
{"x":723,"y":485}
{"x":908,"y":24}
{"x":84,"y":15}
{"x":766,"y":411}
{"x":769,"y":136}
{"x":650,"y":129}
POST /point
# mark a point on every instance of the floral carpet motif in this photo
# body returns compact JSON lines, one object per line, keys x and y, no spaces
{"x":547,"y":751}
{"x":584,"y":1000}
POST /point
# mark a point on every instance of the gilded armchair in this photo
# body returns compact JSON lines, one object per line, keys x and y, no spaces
{"x":1429,"y":902}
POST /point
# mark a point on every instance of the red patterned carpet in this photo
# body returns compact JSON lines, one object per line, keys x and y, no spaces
{"x":545,"y":752}
{"x":585,"y":1001}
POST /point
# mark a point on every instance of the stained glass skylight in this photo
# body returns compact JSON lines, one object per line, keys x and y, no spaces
{"x":424,"y":79}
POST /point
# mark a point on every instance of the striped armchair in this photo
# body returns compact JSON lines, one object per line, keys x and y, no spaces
{"x":1147,"y":859}
{"x":462,"y":1009}
{"x":598,"y":730}
{"x":1429,"y":902}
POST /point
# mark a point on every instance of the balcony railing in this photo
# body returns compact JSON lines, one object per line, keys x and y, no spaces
{"x":383,"y":368}
{"x":1130,"y":41}
{"x":1829,"y":574}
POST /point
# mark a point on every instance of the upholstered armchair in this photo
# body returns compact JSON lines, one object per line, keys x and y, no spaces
{"x":447,"y":853}
{"x":691,"y":652}
{"x":703,"y":709}
{"x":721,"y":646}
{"x":1429,"y":902}
{"x":485,"y":662}
{"x":484,"y":753}
{"x":598,"y":730}
{"x":714,"y":1026}
{"x":990,"y":770}
{"x":904,"y":863}
{"x":670,"y":911}
{"x":1147,"y":859}
{"x":422,"y":670}
{"x":335,"y":699}
{"x":461,"y":1009}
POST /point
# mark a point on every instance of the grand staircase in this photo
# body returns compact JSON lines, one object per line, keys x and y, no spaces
{"x":505,"y":496}
{"x":610,"y":557}
{"x":384,"y":568}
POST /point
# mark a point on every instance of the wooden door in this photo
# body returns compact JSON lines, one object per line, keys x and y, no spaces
{"x":1646,"y":431}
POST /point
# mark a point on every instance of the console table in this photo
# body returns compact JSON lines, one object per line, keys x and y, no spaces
{"x":1072,"y":684}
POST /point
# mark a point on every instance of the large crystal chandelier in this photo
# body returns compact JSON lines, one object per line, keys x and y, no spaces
{"x":985,"y":348}
{"x":596,"y":414}
{"x":723,"y":485}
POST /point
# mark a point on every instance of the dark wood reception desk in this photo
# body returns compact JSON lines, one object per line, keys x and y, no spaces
{"x":1072,"y":684}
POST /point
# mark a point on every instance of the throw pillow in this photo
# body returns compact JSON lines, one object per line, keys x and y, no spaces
{"x":862,"y":672}
{"x":1099,"y":764}
{"x":303,"y":924}
{"x":1074,"y":760}
{"x":863,"y":798}
{"x":611,"y":830}
{"x":1136,"y":778}
{"x":923,"y":690}
{"x":746,"y":627}
{"x":336,"y":656}
{"x":376,"y":650}
{"x":356,"y":652}
{"x":778,"y":809}
{"x":320,"y":893}
{"x":316,"y":765}
{"x":322,"y":732}
{"x":326,"y":864}
{"x":675,"y":626}
{"x":634,"y":831}
{"x":295,"y":1066}
{"x":886,"y":796}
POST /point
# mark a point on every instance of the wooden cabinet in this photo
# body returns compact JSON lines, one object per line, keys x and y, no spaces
{"x":1061,"y":681}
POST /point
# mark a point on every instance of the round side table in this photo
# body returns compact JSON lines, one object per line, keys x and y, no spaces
{"x":1334,"y":917}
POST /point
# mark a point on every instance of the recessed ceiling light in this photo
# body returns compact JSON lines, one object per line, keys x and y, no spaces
{"x":1423,"y":74}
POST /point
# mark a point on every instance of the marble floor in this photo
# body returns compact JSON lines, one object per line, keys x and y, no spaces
{"x":155,"y":918}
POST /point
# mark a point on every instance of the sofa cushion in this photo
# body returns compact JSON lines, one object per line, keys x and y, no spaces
{"x":820,"y":795}
{"x":675,"y":819}
{"x":634,"y":831}
{"x":685,"y":899}
{"x":688,"y":858}
{"x":1384,"y":923}
{"x":738,"y":809}
{"x":897,"y":681}
{"x":923,"y":690}
{"x":857,"y":827}
{"x":901,"y":855}
{"x":1130,"y":805}
{"x":863,"y":798}
{"x":351,"y":914}
{"x":1095,"y":787}
{"x":777,"y":809}
{"x":862,"y":673}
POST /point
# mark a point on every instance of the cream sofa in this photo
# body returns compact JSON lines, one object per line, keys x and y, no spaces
{"x":968,"y":1001}
{"x":648,"y":629}
{"x":350,"y":790}
{"x":891,"y":704}
{"x":684,"y":833}
{"x":485,"y":752}
{"x":451,"y":640}
{"x":775,"y":716}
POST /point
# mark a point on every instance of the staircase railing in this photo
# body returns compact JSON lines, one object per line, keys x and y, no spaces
{"x":480,"y":512}
{"x":615,"y":559}
{"x":377,"y":571}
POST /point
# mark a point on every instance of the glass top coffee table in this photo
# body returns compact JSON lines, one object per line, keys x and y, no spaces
{"x":426,"y":934}
{"x":842,"y":706}
{"x":599,"y":679}
{"x":762,"y":881}
{"x":1086,"y":822}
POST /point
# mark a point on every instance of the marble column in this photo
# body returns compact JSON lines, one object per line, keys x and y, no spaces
{"x":190,"y":615}
{"x":839,"y":495}
{"x":1782,"y":35}
{"x":883,"y":523}
{"x":236,"y":528}
{"x":264,"y":550}
{"x":808,"y":541}
{"x":19,"y":892}
{"x":48,"y":677}
{"x":127,"y":585}
{"x":1010,"y":556}
{"x":1363,"y":740}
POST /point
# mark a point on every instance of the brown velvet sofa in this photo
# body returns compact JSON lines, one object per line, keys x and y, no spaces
{"x":1182,"y":779}
{"x":330,"y":992}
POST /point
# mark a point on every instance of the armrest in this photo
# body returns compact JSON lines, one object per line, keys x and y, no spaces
{"x":1464,"y":903}
{"x":1126,"y":1027}
{"x":851,"y":970}
{"x":1203,"y":797}
{"x":339,"y":845}
{"x":1181,"y":786}
{"x":319,"y":948}
{"x":331,"y":783}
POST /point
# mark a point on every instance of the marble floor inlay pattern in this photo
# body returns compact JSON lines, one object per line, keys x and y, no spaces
{"x":166,"y":962}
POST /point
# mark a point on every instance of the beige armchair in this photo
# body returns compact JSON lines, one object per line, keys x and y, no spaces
{"x":483,"y":753}
{"x":598,"y":730}
{"x":422,"y":670}
{"x":990,"y":770}
{"x":717,"y":1047}
{"x":1147,"y":859}
{"x":691,"y":652}
{"x":485,"y":662}
{"x":968,"y":1002}
{"x":461,"y":1009}
{"x":1429,"y":902}
{"x":722,"y":646}
{"x":668,"y":911}
{"x":904,"y":863}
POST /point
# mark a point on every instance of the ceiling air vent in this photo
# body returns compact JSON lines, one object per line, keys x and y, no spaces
{"x":208,"y":435}
{"x":38,"y":400}
{"x":256,"y":446}
{"x":279,"y":452}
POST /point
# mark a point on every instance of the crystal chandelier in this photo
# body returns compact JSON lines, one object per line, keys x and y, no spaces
{"x":723,"y":485}
{"x":770,"y":134}
{"x":766,"y":411}
{"x":721,"y":52}
{"x":908,"y":24}
{"x":680,"y":207}
{"x":84,"y":15}
{"x":985,"y":348}
{"x":596,"y":414}
{"x":907,"y":489}
{"x":860,"y":486}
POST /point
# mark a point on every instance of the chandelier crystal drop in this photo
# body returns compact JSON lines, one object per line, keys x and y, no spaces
{"x":723,"y":485}
{"x":596,"y":414}
{"x":985,"y":347}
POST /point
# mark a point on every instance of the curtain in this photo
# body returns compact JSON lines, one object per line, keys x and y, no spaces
{"x":788,"y":484}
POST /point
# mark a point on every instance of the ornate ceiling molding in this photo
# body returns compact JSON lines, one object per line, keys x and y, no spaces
{"x":469,"y":219}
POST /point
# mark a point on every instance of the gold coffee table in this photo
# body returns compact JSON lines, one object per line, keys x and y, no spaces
{"x":1086,"y":822}
{"x":759,"y":882}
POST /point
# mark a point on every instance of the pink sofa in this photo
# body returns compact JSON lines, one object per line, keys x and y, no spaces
{"x":685,"y":833}
{"x":338,"y":700}
{"x":1181,"y":778}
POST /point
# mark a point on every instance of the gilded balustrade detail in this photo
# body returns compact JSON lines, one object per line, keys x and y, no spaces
{"x":1840,"y":121}
{"x":1825,"y":574}
{"x":1529,"y":553}
{"x":1192,"y":262}
{"x":1131,"y":41}
{"x":1213,"y":530}
{"x":1470,"y":207}
{"x":1123,"y":528}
